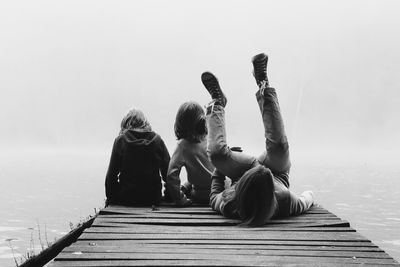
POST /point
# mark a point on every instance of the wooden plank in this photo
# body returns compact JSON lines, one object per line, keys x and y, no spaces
{"x":280,"y":258}
{"x":294,"y":262}
{"x":211,"y":221}
{"x":114,"y":210}
{"x":188,"y":229}
{"x":321,"y":224}
{"x":168,"y":220}
{"x":109,"y":211}
{"x":350,"y":236}
{"x":178,"y":247}
{"x":211,"y":216}
{"x":198,"y":236}
{"x":304,"y":251}
{"x":147,"y":253}
{"x":123,"y":212}
{"x":173,"y":207}
{"x":291,"y":243}
{"x":183,"y":210}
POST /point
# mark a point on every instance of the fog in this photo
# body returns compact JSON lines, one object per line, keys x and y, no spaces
{"x":70,"y":70}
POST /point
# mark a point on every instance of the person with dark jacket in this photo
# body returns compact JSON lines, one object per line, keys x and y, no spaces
{"x":139,"y":160}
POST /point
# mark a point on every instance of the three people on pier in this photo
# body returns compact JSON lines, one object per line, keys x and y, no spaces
{"x":260,"y":185}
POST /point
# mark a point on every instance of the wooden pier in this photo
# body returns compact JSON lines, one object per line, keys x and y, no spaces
{"x":198,"y":236}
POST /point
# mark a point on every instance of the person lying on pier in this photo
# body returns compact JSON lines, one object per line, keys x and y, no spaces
{"x":260,"y":186}
{"x":138,"y":157}
{"x":190,"y":152}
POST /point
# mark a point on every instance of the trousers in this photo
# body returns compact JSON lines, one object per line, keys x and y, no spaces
{"x":233,"y":163}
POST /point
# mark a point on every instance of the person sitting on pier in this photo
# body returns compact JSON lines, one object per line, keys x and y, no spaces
{"x":138,"y":157}
{"x":260,"y":186}
{"x":191,"y":131}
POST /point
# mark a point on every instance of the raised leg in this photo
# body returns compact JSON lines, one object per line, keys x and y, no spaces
{"x":231,"y":163}
{"x":276,"y":155}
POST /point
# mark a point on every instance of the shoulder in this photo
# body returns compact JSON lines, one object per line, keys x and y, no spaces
{"x":155,"y":137}
{"x":180,"y":148}
{"x":119,"y":139}
{"x":192,"y":146}
{"x":183,"y":145}
{"x":119,"y":143}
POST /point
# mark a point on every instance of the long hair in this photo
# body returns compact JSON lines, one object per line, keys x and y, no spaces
{"x":255,"y":198}
{"x":190,"y":122}
{"x":135,"y":120}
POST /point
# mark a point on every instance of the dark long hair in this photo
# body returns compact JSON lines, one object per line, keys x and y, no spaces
{"x":255,"y":198}
{"x":190,"y":122}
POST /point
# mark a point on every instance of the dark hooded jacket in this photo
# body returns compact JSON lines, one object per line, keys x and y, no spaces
{"x":137,"y":160}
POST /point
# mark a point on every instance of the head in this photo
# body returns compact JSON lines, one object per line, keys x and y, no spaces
{"x":255,"y":198}
{"x":135,"y":120}
{"x":190,"y":122}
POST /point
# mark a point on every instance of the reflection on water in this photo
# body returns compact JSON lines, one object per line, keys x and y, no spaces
{"x":42,"y":192}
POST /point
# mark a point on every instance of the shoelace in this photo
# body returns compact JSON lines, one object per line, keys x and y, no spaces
{"x":210,"y":106}
{"x":262,"y":85}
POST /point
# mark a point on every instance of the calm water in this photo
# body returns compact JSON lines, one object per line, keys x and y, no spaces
{"x":41,"y":193}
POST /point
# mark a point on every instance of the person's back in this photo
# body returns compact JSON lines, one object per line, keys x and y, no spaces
{"x":190,"y":153}
{"x":140,"y":170}
{"x":193,"y":156}
{"x":133,"y":177}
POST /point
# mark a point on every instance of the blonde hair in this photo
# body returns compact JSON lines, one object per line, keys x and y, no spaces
{"x":255,"y":196}
{"x":135,"y":120}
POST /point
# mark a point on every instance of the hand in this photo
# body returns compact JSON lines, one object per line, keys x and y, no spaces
{"x":236,"y":149}
{"x":186,"y":203}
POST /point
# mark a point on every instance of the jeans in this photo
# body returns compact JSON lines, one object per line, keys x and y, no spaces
{"x":234,"y":164}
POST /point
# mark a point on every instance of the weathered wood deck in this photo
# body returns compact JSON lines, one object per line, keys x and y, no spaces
{"x":127,"y":236}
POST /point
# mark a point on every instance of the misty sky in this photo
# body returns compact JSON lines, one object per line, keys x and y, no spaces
{"x":70,"y":70}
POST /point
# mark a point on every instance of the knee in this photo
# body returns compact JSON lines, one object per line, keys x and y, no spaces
{"x":280,"y":148}
{"x":278,"y":157}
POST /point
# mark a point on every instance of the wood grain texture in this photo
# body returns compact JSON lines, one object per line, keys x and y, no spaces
{"x":198,"y":236}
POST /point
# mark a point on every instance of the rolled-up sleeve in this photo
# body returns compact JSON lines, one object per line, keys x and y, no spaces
{"x":302,"y":203}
